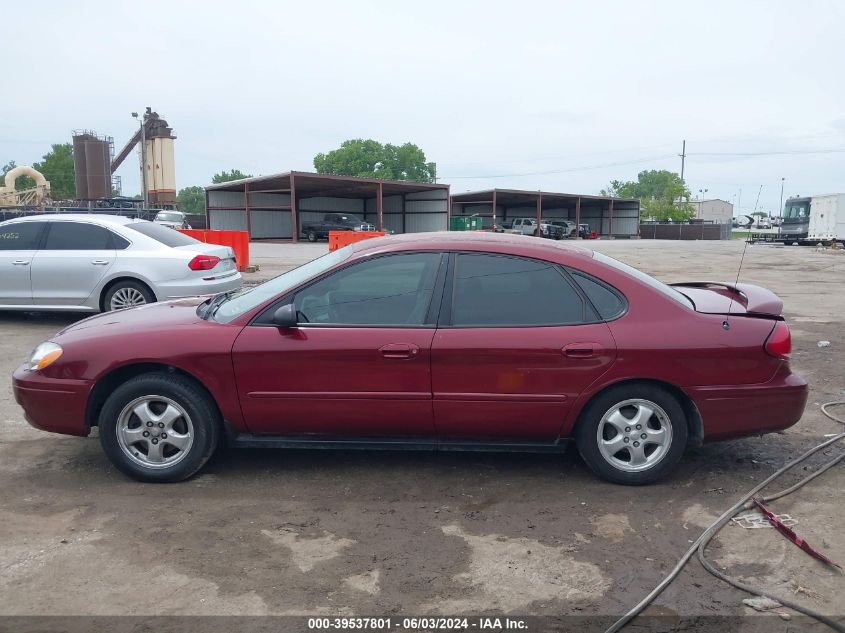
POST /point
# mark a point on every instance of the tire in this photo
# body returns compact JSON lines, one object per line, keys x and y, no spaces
{"x":312,"y":236}
{"x":178,"y":409}
{"x":637,"y":461}
{"x":127,"y":294}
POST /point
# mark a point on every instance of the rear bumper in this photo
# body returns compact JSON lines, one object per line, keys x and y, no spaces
{"x":51,"y":404}
{"x":737,"y":411}
{"x":192,"y":288}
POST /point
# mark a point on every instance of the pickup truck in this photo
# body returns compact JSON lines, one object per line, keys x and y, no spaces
{"x":334,"y":222}
{"x":528,"y":226}
{"x":570,"y":229}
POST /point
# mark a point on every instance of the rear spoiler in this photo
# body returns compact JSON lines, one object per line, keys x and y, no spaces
{"x":753,"y":299}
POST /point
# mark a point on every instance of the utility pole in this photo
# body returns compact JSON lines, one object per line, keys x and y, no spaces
{"x":143,"y":158}
{"x":780,"y":210}
{"x":683,"y":156}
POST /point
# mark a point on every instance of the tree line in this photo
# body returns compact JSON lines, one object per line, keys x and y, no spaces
{"x":662,"y":194}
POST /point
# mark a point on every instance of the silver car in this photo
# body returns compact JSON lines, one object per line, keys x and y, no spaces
{"x":103,"y":262}
{"x":172,"y":219}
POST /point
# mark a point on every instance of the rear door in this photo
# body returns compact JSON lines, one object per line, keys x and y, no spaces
{"x":18,"y":244}
{"x":515,"y":346}
{"x":74,"y":258}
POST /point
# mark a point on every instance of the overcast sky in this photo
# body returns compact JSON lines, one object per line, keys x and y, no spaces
{"x":559,"y":96}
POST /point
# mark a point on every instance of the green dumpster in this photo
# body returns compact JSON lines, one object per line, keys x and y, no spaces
{"x":465,"y":223}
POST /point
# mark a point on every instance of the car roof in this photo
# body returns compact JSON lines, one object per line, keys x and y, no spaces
{"x":96,"y":218}
{"x":505,"y":243}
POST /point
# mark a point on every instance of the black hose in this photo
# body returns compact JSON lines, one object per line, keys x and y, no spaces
{"x":717,"y":525}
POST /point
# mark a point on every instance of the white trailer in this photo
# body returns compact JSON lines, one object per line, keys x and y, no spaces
{"x":827,"y":218}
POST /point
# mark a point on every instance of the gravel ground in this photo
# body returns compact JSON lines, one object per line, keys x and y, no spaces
{"x":272,"y":532}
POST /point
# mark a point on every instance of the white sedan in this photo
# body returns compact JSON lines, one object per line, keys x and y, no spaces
{"x":98,"y":263}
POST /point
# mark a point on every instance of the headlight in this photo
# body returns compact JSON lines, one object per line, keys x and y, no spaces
{"x":44,"y":355}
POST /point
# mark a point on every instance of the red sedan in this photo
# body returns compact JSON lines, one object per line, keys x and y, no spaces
{"x":428,"y":341}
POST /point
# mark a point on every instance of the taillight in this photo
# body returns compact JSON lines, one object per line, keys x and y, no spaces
{"x":203,"y":262}
{"x":779,"y":343}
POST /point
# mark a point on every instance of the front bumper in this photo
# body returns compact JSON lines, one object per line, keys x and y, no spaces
{"x":737,"y":411}
{"x":52,"y":404}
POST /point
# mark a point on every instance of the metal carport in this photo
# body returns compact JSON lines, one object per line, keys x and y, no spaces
{"x":609,"y":217}
{"x":274,"y":206}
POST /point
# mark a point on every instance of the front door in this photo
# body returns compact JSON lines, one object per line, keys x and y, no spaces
{"x":18,"y":244}
{"x":73,"y":260}
{"x":515,"y":348}
{"x":359,"y":362}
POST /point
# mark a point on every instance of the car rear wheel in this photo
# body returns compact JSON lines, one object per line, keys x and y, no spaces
{"x":127,"y":294}
{"x":632,"y":434}
{"x":159,"y":427}
{"x":312,"y":236}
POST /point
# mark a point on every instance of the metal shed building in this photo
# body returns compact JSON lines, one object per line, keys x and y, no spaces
{"x":616,"y":217}
{"x":275,"y":206}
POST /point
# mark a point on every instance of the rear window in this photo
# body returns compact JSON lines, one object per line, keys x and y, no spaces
{"x":646,"y":279}
{"x":163,"y":234}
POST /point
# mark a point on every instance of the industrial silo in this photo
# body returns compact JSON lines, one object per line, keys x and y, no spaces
{"x":92,"y":165}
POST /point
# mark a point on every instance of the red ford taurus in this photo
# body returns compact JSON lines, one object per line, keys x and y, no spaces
{"x":427,"y":341}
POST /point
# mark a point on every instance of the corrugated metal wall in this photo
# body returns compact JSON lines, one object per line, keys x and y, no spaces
{"x":268,"y":223}
{"x":222,"y":220}
{"x":227,"y":199}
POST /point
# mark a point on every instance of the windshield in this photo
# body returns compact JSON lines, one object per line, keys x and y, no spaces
{"x":797,"y":210}
{"x":248,"y":299}
{"x":170,"y":216}
{"x":646,"y":279}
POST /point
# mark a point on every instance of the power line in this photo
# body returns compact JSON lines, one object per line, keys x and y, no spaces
{"x":566,"y":170}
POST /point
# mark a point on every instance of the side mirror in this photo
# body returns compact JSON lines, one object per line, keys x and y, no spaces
{"x":285,"y":316}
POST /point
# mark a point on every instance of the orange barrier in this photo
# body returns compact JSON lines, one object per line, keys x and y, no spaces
{"x":339,"y":239}
{"x":237,"y":240}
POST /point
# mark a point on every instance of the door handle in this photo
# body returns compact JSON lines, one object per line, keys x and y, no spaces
{"x":399,"y":350}
{"x":100,"y":262}
{"x":580,"y":350}
{"x":20,"y":262}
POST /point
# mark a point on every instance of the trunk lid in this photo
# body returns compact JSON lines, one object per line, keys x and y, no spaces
{"x":719,"y":297}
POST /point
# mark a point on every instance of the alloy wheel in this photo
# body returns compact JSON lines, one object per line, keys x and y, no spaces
{"x":634,"y":435}
{"x":127,"y":297}
{"x":155,"y":432}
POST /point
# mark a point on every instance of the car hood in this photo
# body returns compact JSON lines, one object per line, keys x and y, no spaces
{"x":143,"y":319}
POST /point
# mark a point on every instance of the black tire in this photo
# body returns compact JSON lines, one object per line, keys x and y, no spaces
{"x":312,"y":236}
{"x":126,"y":286}
{"x":203,"y":415}
{"x":587,"y":440}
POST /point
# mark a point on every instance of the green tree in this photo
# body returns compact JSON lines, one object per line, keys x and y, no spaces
{"x":57,"y":167}
{"x":661,"y":193}
{"x":191,"y":200}
{"x":367,"y":158}
{"x":23,"y":182}
{"x":227,"y":176}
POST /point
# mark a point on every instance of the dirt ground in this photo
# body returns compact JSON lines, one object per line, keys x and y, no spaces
{"x":269,"y":532}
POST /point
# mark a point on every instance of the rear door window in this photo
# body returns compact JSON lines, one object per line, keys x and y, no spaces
{"x":503,"y":291}
{"x":20,"y":236}
{"x":77,"y":236}
{"x":607,"y":301}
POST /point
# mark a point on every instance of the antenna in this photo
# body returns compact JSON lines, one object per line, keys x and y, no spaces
{"x":726,"y":323}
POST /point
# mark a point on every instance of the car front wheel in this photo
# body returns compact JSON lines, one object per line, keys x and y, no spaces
{"x":312,"y":236}
{"x":632,"y":434}
{"x":159,"y":427}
